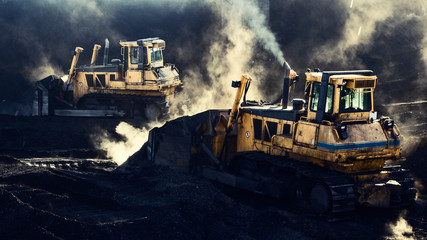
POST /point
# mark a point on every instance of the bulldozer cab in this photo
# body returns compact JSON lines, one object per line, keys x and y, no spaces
{"x":340,"y":96}
{"x":142,"y":56}
{"x":144,"y":53}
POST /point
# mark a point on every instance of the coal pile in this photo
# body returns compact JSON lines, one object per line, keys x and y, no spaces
{"x":96,"y":199}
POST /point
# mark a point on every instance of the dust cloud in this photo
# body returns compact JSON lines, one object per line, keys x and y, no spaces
{"x":228,"y":57}
{"x":401,"y":229}
{"x":231,"y":50}
{"x":44,"y":69}
{"x":131,"y":140}
{"x":358,"y":31}
{"x":411,"y":121}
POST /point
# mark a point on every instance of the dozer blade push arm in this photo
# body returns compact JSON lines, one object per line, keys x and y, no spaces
{"x":77,"y":52}
{"x":241,"y":85}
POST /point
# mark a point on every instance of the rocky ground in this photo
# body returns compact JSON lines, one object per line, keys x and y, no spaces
{"x":55,"y":185}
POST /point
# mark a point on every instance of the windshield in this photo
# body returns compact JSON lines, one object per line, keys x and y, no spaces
{"x":355,"y":100}
{"x":315,"y":97}
{"x":156,"y":54}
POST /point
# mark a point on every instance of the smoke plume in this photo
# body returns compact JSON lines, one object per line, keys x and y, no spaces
{"x":240,"y":33}
{"x":252,"y":15}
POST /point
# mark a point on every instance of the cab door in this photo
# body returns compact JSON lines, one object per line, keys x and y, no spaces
{"x":133,"y":73}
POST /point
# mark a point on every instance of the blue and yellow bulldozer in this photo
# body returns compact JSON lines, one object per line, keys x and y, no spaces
{"x":328,"y":150}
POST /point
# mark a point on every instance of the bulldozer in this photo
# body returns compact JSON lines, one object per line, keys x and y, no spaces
{"x":328,"y":151}
{"x":139,"y":84}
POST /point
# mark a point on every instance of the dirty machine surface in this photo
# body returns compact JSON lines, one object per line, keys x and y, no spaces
{"x":329,"y":151}
{"x":139,"y":84}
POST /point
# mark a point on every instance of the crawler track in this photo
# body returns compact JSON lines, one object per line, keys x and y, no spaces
{"x":322,"y":191}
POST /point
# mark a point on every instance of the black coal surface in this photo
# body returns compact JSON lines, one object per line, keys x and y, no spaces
{"x":140,"y":200}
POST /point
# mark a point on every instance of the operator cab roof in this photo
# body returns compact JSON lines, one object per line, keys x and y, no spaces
{"x":339,"y":76}
{"x":144,"y":41}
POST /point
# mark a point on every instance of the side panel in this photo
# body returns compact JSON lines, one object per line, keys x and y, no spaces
{"x":89,"y":82}
{"x":134,"y":76}
{"x":365,"y":149}
{"x":306,"y":134}
{"x":359,"y":136}
{"x":245,"y":133}
{"x":150,"y":77}
{"x":256,"y":133}
{"x":118,"y":83}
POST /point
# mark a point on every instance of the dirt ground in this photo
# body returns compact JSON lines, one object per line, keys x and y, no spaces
{"x":55,"y":185}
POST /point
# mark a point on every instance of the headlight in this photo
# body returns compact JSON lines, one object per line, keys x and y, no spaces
{"x":388,"y":124}
{"x":342,"y":131}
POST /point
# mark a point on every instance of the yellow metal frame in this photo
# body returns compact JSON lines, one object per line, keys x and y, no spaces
{"x":134,"y":81}
{"x":320,"y":143}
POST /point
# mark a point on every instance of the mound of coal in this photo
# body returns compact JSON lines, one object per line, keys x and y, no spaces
{"x":149,"y":202}
{"x":193,"y":208}
{"x":7,"y":159}
{"x":140,"y":200}
{"x":146,"y":201}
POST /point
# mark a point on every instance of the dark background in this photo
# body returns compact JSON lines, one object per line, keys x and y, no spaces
{"x":43,"y":33}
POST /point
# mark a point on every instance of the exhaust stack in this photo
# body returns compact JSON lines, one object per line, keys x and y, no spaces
{"x":286,"y":83}
{"x":106,"y":49}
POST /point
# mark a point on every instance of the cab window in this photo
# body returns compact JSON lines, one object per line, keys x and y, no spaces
{"x":134,"y":53}
{"x":156,"y":54}
{"x":355,"y":100}
{"x":315,"y":97}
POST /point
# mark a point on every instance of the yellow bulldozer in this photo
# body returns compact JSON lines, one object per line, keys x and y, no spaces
{"x":328,"y":150}
{"x":139,"y":84}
